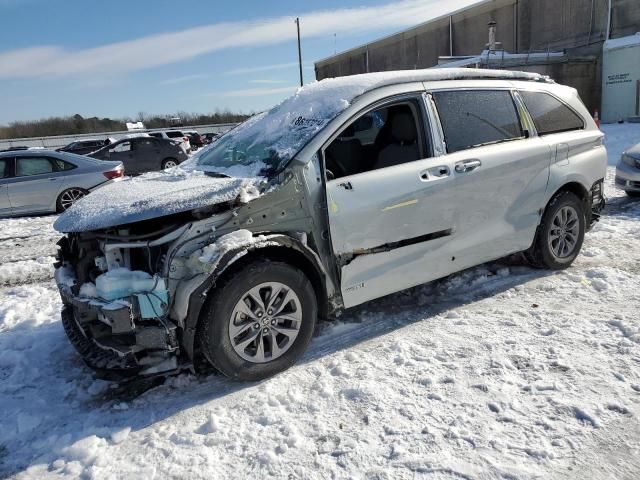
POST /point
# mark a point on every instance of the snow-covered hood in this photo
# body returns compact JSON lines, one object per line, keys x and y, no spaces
{"x":153,"y":195}
{"x":634,"y":151}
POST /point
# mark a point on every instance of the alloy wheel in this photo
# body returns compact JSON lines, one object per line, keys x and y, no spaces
{"x":170,"y":164}
{"x":70,"y":197}
{"x":564,"y":232}
{"x":265,"y":322}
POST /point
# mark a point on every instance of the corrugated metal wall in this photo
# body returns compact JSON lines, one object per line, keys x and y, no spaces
{"x":577,"y":26}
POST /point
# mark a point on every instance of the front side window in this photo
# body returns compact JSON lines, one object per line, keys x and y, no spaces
{"x":380,"y":138}
{"x":472,"y":118}
{"x":121,"y":147}
{"x":175,"y":134}
{"x":33,"y":166}
{"x":549,"y":114}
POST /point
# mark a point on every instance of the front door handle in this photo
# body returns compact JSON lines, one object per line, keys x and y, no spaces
{"x":467,"y":165}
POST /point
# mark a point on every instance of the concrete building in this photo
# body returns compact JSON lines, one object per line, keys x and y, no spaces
{"x":621,"y":79}
{"x":560,"y":38}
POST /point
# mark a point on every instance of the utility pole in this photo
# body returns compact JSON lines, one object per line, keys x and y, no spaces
{"x":299,"y":51}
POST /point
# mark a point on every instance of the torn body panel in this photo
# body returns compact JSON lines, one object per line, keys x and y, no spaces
{"x":118,"y":337}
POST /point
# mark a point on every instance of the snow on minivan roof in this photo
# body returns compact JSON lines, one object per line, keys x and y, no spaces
{"x":275,"y":136}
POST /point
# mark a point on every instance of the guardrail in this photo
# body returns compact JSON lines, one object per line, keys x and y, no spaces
{"x":58,"y":141}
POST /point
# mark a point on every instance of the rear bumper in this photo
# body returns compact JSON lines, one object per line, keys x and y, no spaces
{"x":95,"y":187}
{"x":597,"y":202}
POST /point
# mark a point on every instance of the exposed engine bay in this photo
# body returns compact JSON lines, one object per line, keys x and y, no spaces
{"x":117,"y":300}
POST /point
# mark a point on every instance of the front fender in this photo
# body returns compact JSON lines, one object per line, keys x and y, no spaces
{"x":198,"y":296}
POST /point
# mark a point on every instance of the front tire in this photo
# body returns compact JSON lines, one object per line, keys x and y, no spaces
{"x":259,"y":322}
{"x":560,"y":234}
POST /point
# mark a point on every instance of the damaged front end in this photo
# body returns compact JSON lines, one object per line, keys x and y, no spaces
{"x":116,"y":302}
{"x":132,"y":293}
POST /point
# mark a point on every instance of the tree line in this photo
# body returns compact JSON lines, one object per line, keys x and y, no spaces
{"x":77,"y":124}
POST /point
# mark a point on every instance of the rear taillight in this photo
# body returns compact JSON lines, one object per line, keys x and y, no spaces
{"x":115,"y":173}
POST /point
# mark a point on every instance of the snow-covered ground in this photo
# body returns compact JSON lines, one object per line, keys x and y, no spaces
{"x":497,"y":372}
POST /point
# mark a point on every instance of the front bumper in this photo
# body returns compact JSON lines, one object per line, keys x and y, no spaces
{"x":627,"y":177}
{"x":111,"y":338}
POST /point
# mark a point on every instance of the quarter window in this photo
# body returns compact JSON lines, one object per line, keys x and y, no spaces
{"x":472,"y":118}
{"x":33,"y":166}
{"x":62,"y":165}
{"x":549,"y":114}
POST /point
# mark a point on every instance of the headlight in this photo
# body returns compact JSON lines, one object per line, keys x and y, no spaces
{"x":631,"y":161}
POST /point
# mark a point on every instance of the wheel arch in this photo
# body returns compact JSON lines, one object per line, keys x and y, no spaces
{"x":579,"y":190}
{"x":281,"y":248}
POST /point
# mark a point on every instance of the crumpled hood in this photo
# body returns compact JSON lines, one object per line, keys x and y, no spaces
{"x":153,"y":195}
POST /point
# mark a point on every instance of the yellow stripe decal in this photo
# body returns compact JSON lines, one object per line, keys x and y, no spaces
{"x":403,"y":204}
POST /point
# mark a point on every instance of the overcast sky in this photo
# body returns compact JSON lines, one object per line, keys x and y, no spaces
{"x":60,"y":57}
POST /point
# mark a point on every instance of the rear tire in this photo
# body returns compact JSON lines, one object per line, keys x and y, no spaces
{"x":265,"y":302}
{"x":169,"y":163}
{"x":560,"y":234}
{"x":69,"y":197}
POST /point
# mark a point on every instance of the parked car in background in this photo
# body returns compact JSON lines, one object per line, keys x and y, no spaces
{"x":47,"y":181}
{"x":143,"y":154}
{"x":308,"y":209}
{"x":211,"y":137}
{"x":195,"y":139}
{"x":82,"y":147}
{"x":15,"y":148}
{"x":176,"y":135}
{"x":628,"y":171}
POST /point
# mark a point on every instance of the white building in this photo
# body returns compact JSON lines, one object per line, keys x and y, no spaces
{"x":621,"y":79}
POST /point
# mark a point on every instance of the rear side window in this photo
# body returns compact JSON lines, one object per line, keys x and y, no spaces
{"x":174,"y":134}
{"x":145,"y":144}
{"x":549,"y":114}
{"x":471,"y":118}
{"x":33,"y":166}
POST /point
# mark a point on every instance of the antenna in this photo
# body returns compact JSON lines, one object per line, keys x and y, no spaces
{"x":299,"y":50}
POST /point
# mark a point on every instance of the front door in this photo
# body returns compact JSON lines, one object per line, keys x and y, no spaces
{"x":390,"y":202}
{"x":36,"y":185}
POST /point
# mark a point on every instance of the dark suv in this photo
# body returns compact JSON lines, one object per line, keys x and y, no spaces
{"x":143,"y":154}
{"x":82,"y":147}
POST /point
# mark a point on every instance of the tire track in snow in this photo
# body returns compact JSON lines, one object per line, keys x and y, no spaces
{"x":27,"y":248}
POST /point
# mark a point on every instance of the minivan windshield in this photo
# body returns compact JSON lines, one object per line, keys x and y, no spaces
{"x":264,"y":144}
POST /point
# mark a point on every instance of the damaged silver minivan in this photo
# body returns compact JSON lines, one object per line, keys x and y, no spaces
{"x":352,"y":189}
